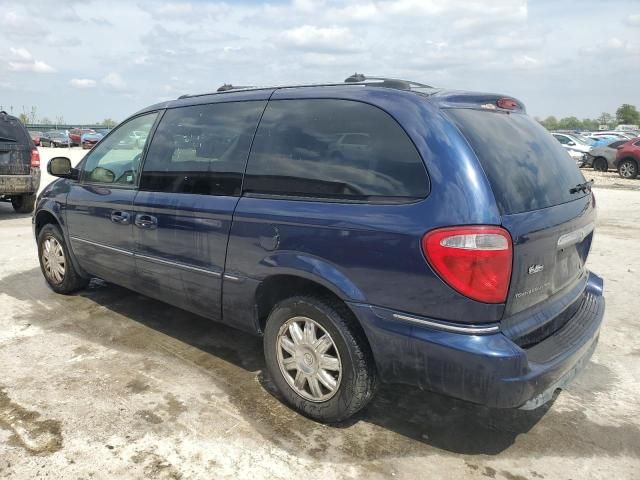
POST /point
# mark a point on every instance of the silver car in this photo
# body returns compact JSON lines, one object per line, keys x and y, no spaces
{"x":602,"y":157}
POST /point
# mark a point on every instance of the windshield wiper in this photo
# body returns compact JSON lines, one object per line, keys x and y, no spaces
{"x":582,"y":187}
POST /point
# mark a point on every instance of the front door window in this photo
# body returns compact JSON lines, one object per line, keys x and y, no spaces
{"x":116,"y":159}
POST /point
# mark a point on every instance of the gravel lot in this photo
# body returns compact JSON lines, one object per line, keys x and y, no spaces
{"x":110,"y":384}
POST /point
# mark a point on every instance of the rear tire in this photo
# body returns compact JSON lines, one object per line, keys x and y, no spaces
{"x":600,"y":164}
{"x":319,"y":358}
{"x":24,"y":203}
{"x":628,"y":168}
{"x":56,"y":266}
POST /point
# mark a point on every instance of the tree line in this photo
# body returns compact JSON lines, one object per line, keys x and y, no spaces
{"x":31,"y":117}
{"x":626,"y":114}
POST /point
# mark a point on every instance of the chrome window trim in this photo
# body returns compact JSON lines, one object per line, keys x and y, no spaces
{"x":447,"y":327}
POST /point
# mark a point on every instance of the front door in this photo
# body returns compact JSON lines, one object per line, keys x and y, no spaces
{"x":189,"y":187}
{"x":99,"y":207}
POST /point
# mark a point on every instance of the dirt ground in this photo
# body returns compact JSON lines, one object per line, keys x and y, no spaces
{"x":110,"y":384}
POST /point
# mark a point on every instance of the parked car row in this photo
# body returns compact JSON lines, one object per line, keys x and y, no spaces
{"x":84,"y":137}
{"x":616,"y":150}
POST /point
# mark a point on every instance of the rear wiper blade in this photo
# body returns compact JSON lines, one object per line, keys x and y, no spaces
{"x":4,"y":139}
{"x":582,"y":187}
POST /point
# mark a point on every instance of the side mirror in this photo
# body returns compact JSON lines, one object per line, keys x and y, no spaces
{"x":571,"y":143}
{"x":61,"y":167}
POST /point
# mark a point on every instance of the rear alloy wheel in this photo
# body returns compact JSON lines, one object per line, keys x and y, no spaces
{"x":308,"y":359}
{"x":600,"y":164}
{"x":318,"y":358}
{"x":628,"y":169}
{"x":24,"y":203}
{"x":55,"y":264}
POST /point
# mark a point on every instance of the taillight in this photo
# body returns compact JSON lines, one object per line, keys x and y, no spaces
{"x":35,"y":158}
{"x":473,"y":260}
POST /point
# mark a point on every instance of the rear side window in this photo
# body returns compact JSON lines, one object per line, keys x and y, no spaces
{"x":617,"y":144}
{"x":201,"y":149}
{"x":335,"y":149}
{"x":528,"y":169}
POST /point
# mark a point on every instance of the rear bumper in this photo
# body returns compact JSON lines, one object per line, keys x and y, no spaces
{"x":487,"y":368}
{"x":12,"y":184}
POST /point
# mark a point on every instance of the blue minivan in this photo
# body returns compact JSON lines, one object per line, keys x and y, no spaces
{"x":376,"y":230}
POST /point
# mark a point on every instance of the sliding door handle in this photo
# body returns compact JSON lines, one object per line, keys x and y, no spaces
{"x":120,"y":217}
{"x":146,"y":221}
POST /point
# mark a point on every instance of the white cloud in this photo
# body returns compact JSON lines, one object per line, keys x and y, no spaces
{"x":320,"y":39}
{"x":22,"y":61}
{"x":82,"y":83}
{"x":21,"y":53}
{"x":36,"y":66}
{"x":114,"y":81}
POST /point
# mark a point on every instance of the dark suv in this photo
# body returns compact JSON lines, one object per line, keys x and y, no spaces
{"x":447,"y":250}
{"x":19,"y":165}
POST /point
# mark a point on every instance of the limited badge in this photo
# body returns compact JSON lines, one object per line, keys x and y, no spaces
{"x":535,"y":269}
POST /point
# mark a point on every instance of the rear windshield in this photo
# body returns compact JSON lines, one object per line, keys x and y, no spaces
{"x":527,"y":168}
{"x":12,"y":131}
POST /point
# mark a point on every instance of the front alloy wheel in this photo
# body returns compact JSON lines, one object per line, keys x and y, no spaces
{"x":53,"y":260}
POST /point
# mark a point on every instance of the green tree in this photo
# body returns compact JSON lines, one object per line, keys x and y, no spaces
{"x":24,"y":118}
{"x":628,"y":114}
{"x":605,"y":118}
{"x":108,"y":122}
{"x":550,"y":123}
{"x":589,"y":124}
{"x":569,"y":123}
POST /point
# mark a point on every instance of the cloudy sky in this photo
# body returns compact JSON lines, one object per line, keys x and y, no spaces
{"x":86,"y":60}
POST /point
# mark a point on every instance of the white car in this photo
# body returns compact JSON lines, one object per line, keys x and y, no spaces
{"x":576,"y":145}
{"x":579,"y":157}
{"x":612,"y":133}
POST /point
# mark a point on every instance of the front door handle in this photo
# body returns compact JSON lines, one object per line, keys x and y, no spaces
{"x":118,"y":216}
{"x":146,"y":221}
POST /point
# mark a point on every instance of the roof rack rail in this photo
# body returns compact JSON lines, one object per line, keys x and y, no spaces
{"x":227,"y":86}
{"x":384,"y":82}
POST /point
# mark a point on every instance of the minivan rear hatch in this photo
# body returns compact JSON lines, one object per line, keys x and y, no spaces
{"x":15,"y":147}
{"x":545,"y":203}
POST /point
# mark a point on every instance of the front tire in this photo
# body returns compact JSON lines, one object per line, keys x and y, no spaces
{"x":57,"y":268}
{"x":600,"y":164}
{"x":319,"y":358}
{"x":628,"y":168}
{"x":24,"y":203}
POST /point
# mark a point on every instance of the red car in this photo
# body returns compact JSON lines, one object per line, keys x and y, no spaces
{"x":75,"y":135}
{"x":628,"y":158}
{"x":35,"y":136}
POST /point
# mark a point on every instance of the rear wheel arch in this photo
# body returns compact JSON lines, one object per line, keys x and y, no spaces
{"x":279,"y":287}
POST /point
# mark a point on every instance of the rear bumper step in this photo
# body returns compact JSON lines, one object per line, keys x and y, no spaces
{"x":11,"y":184}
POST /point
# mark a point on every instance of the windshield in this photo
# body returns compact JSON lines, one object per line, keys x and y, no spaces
{"x":526,"y":167}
